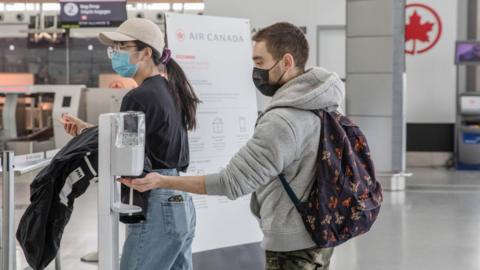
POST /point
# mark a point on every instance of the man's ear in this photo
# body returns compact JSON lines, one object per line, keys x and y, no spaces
{"x":289,"y":61}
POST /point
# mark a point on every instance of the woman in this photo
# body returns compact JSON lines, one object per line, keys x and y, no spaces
{"x":137,"y":50}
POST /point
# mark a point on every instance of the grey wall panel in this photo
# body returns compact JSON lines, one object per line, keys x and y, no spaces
{"x":370,"y":55}
{"x":379,"y":14}
{"x":370,"y":94}
{"x":375,"y":86}
{"x":378,"y":131}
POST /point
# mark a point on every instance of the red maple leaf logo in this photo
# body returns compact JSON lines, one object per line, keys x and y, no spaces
{"x":420,"y":31}
{"x":180,"y":35}
{"x":415,"y":30}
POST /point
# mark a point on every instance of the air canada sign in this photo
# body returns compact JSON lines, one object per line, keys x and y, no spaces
{"x":209,"y":36}
{"x":423,"y":29}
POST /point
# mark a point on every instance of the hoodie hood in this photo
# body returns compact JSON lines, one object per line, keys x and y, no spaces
{"x":315,"y":89}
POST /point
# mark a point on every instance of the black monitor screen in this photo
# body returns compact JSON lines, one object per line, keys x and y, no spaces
{"x":66,"y":102}
{"x":467,"y":53}
{"x":92,"y":13}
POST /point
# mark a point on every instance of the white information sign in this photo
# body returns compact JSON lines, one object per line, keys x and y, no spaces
{"x":215,"y":53}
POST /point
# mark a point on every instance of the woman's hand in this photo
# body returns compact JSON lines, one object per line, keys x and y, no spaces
{"x":73,"y":125}
{"x":149,"y":182}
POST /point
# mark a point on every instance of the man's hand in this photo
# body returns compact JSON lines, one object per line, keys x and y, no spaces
{"x":149,"y":182}
{"x":192,"y":184}
{"x":73,"y":125}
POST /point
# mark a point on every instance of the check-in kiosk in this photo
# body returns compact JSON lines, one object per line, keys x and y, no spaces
{"x":467,"y":126}
{"x":29,"y":116}
{"x":468,"y":130}
{"x":103,"y":100}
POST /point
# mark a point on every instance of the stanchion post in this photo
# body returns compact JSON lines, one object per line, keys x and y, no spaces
{"x":8,"y":225}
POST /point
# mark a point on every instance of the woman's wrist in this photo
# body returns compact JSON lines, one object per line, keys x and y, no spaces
{"x":84,"y":127}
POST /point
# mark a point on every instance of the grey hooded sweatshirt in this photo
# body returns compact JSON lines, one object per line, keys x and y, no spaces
{"x":286,"y":139}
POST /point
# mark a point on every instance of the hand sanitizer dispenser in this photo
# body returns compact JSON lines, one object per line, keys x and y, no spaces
{"x":128,"y":145}
{"x":121,"y":153}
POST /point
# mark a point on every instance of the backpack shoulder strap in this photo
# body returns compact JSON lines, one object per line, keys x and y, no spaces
{"x":289,"y":190}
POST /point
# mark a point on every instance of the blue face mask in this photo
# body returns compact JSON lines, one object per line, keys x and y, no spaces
{"x":121,"y":64}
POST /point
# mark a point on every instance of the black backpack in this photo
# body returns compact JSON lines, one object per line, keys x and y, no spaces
{"x":345,"y":198}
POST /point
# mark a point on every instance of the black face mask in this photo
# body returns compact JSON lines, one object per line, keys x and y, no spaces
{"x":261,"y":78}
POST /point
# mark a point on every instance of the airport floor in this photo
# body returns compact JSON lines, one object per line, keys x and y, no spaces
{"x":434,"y":224}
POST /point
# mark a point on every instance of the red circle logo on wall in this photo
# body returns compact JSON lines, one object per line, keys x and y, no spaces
{"x":180,"y":35}
{"x":423,"y":29}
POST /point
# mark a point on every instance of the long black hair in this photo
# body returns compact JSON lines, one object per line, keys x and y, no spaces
{"x":185,"y":98}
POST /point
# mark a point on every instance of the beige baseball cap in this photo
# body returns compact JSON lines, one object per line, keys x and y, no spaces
{"x":136,"y":29}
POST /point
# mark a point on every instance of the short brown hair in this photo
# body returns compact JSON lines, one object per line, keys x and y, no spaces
{"x":282,"y":38}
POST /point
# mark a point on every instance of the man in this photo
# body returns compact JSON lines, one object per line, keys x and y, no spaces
{"x":286,"y":140}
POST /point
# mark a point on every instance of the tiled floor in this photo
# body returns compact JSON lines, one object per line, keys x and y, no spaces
{"x":433,"y":225}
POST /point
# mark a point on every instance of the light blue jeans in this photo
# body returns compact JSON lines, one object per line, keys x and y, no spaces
{"x":163,"y":241}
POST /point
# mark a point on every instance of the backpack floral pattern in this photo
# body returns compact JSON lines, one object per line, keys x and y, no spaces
{"x":345,"y":198}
